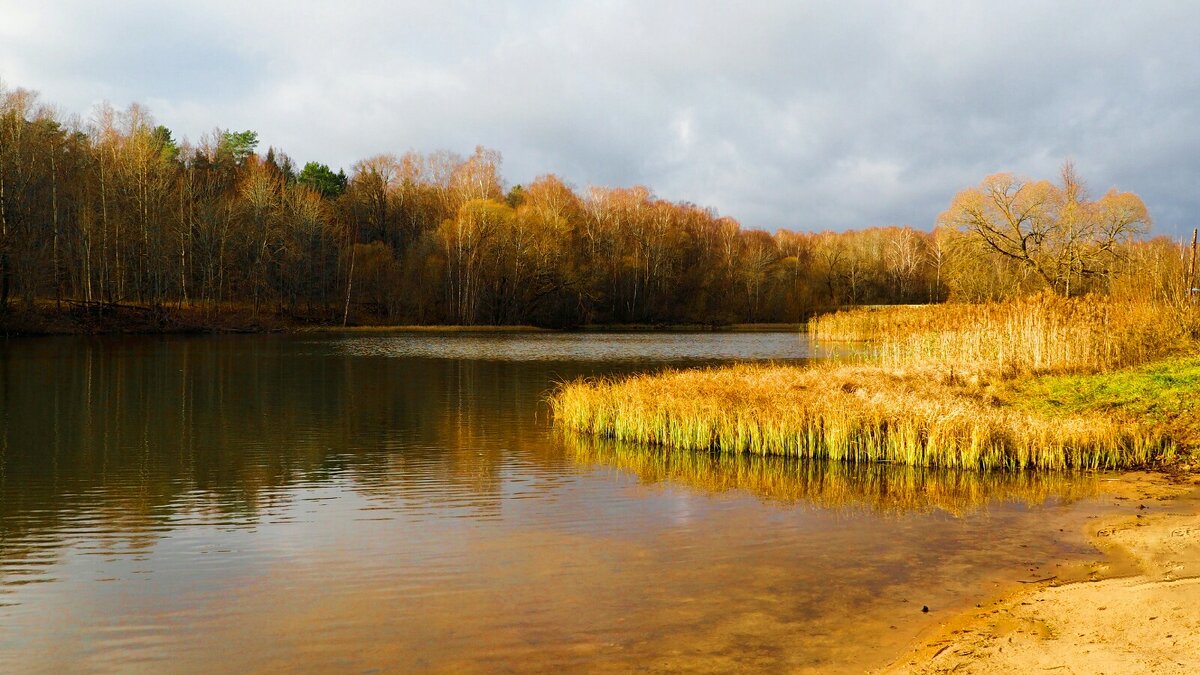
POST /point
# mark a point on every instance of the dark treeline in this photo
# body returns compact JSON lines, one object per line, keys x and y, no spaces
{"x":116,"y":211}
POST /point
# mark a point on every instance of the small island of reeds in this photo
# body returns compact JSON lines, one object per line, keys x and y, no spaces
{"x":1039,"y":383}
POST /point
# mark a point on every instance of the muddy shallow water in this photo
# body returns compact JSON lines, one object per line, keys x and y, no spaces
{"x":402,"y":502}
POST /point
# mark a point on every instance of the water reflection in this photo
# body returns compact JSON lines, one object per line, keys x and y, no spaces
{"x":123,"y":436}
{"x":127,"y":436}
{"x":291,"y":503}
{"x":881,"y":488}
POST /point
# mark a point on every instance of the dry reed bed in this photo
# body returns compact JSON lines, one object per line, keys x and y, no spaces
{"x":1034,"y":335}
{"x":920,"y":417}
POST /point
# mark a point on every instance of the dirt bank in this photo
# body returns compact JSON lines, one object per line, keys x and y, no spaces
{"x":1138,"y":610}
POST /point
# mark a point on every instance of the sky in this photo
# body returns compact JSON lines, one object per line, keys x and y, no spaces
{"x":798,"y":115}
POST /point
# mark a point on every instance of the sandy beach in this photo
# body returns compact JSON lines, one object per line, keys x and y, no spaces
{"x":1135,"y":610}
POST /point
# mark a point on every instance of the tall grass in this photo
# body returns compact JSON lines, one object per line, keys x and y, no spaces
{"x":925,"y":397}
{"x":1039,"y":334}
{"x":857,"y":414}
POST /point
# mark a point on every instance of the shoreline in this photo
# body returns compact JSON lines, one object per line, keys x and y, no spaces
{"x":1135,"y":608}
{"x":133,"y":319}
{"x":926,"y":416}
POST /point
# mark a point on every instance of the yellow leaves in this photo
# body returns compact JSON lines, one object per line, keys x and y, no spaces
{"x":1000,"y":183}
{"x":1052,"y":230}
{"x":303,"y":207}
{"x":488,"y":209}
{"x":1120,"y":212}
{"x":478,"y":178}
{"x":1041,"y":197}
{"x":475,"y":221}
{"x":550,"y":206}
{"x":966,"y":209}
{"x":259,"y":185}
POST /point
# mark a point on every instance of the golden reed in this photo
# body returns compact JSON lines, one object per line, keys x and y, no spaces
{"x":920,"y":417}
{"x":1040,"y":334}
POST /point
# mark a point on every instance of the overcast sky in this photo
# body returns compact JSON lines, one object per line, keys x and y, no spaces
{"x":809,"y":116}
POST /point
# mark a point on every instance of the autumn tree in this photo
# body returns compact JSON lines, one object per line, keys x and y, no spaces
{"x":260,"y":193}
{"x":543,"y":279}
{"x":1053,"y":230}
{"x":903,"y":251}
{"x":464,"y":240}
{"x":116,"y":210}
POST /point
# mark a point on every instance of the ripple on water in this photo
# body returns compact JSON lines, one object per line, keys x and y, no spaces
{"x":584,"y":347}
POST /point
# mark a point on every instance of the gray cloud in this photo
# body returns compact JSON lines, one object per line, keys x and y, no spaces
{"x":781,"y":114}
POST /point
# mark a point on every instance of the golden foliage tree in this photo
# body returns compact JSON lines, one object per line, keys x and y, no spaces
{"x":1053,"y":230}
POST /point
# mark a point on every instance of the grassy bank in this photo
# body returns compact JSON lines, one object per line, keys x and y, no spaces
{"x":920,"y":417}
{"x":1163,"y":395}
{"x":958,"y":386}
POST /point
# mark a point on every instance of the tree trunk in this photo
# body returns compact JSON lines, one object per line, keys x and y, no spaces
{"x":1191,"y":281}
{"x":349,"y":286}
{"x":54,"y":217}
{"x":5,"y":269}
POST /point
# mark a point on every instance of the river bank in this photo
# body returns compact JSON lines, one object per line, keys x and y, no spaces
{"x":94,"y":318}
{"x":929,"y":416}
{"x":78,"y":318}
{"x":1135,"y":610}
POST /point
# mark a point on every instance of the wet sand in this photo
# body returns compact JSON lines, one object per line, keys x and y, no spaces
{"x":1137,"y":610}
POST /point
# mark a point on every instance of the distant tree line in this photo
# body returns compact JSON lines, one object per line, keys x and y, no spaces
{"x":115,"y":210}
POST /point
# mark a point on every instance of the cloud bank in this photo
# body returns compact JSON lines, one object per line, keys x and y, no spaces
{"x":808,"y":116}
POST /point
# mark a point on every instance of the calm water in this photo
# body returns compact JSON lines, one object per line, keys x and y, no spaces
{"x":401,"y":502}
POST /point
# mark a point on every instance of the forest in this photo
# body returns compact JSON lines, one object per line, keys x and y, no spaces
{"x":113,"y":211}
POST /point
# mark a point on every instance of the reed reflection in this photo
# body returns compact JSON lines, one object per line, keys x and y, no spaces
{"x":881,"y":488}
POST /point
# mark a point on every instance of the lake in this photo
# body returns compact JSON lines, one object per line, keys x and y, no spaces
{"x":354,"y":501}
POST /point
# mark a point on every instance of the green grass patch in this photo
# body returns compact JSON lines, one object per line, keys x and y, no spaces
{"x":1165,"y":394}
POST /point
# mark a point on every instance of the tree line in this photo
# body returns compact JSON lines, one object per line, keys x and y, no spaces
{"x":114,"y":210}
